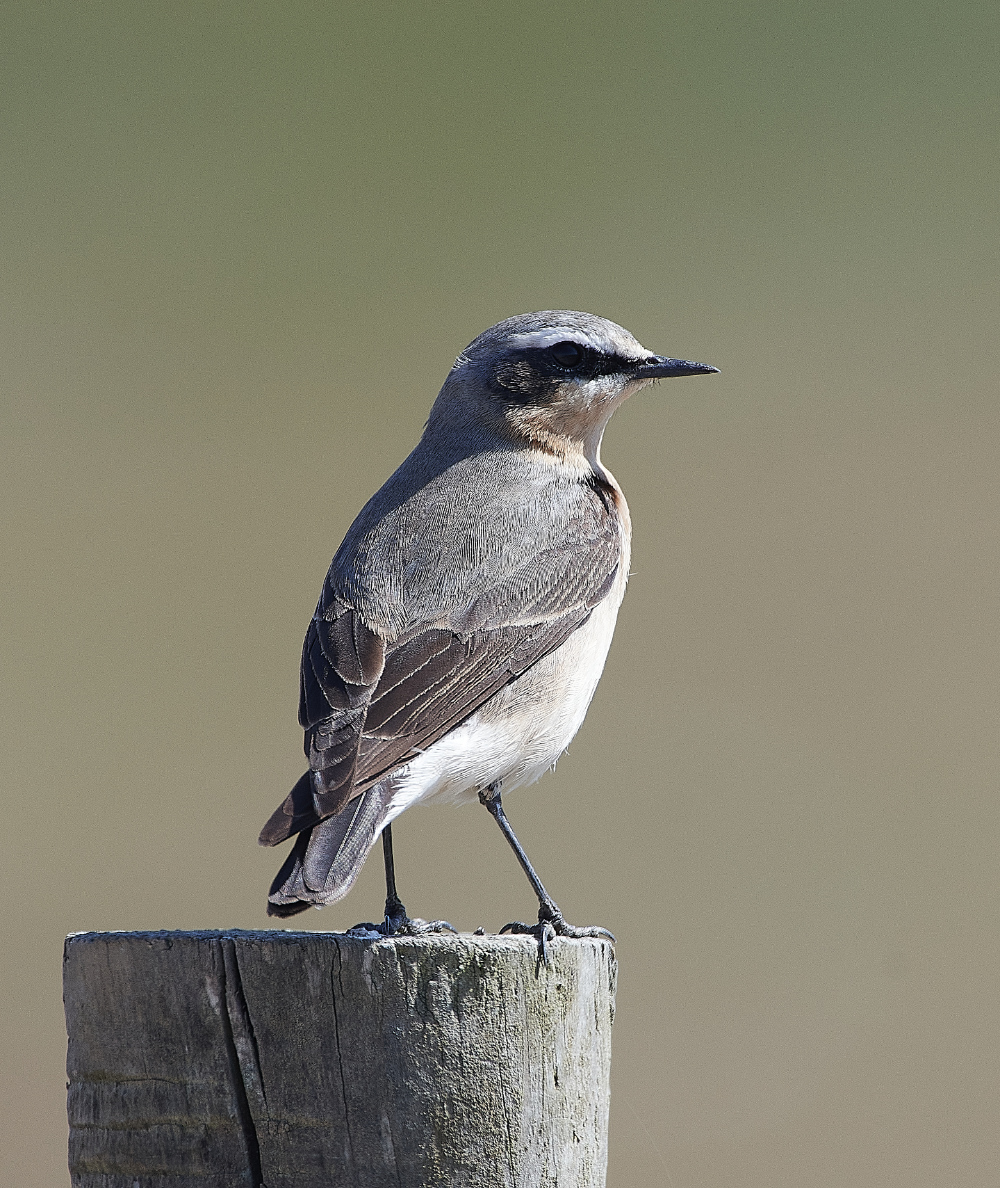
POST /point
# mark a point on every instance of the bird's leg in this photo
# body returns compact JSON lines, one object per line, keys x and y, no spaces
{"x":395,"y":912}
{"x":397,"y":922}
{"x":550,"y":918}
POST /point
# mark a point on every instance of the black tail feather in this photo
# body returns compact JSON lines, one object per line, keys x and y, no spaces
{"x":327,"y":858}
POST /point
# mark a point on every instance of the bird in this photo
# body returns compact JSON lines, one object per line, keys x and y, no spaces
{"x":465,"y":619}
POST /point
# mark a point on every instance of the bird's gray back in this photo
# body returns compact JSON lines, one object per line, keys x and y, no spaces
{"x":495,"y":532}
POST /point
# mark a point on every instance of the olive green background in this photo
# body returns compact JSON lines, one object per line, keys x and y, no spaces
{"x":241,"y":246}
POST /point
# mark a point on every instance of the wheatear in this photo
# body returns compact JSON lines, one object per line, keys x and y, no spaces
{"x":466,"y":617}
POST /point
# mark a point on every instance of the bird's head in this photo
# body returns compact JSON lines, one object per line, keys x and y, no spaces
{"x":550,"y":380}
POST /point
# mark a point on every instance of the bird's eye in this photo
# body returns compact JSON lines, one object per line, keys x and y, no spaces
{"x":567,"y":354}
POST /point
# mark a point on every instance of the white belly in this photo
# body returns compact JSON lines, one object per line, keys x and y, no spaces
{"x":520,"y":732}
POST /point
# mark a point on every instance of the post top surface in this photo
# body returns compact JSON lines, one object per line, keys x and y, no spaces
{"x":279,"y":936}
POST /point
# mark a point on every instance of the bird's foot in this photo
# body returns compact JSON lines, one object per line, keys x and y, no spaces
{"x":550,"y":925}
{"x":418,"y":927}
{"x":398,"y":923}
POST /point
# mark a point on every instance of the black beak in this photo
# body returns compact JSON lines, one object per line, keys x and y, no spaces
{"x":660,"y":367}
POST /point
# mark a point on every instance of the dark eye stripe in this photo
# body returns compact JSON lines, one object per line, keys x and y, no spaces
{"x":533,"y":375}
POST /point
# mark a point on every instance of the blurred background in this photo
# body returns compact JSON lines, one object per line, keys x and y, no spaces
{"x":241,"y":247}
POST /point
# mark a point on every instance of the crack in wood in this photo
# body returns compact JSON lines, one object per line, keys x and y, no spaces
{"x":229,"y":970}
{"x":340,"y":1057}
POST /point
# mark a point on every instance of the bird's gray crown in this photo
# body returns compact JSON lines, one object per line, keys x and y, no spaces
{"x":545,"y":328}
{"x":528,"y":356}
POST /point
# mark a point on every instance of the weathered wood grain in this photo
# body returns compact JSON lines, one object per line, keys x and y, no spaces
{"x":217,"y":1059}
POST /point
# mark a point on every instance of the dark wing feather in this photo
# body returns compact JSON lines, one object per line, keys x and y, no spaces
{"x":430,"y":702}
{"x":342,"y":660}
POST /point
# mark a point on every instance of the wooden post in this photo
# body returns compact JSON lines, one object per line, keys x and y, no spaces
{"x":300,"y":1059}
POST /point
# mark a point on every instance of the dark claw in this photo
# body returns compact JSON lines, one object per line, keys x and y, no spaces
{"x":416,"y":927}
{"x":542,"y":931}
{"x":551,"y":924}
{"x":367,"y":929}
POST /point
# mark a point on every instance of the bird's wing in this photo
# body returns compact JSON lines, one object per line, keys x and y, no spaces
{"x":368,"y":705}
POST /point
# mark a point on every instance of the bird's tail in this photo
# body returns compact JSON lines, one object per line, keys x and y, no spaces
{"x":326,"y":858}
